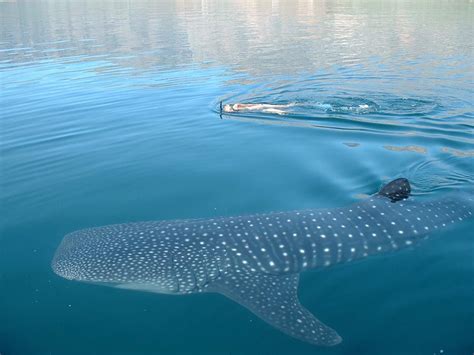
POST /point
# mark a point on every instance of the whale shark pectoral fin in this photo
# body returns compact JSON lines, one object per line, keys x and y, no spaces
{"x":274,"y":299}
{"x":396,"y":190}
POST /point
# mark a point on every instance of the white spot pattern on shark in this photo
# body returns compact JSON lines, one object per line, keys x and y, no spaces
{"x":255,"y":260}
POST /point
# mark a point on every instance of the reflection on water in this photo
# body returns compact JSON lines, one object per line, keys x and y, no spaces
{"x":373,"y":64}
{"x":257,"y":37}
{"x":352,"y":144}
{"x":109,"y":113}
{"x":458,"y":153}
{"x":408,"y":148}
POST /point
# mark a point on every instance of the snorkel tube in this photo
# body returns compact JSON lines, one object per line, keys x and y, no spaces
{"x":220,"y":109}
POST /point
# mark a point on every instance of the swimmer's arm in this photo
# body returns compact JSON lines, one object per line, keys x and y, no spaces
{"x":277,"y":106}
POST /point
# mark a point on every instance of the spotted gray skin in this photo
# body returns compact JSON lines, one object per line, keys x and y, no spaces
{"x":255,"y":260}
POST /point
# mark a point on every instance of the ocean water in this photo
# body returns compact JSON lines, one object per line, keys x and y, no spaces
{"x":110,"y":114}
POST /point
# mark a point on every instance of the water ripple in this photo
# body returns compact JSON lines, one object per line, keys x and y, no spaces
{"x":374,"y":112}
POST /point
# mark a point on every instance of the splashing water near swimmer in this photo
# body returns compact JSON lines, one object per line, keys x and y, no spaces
{"x":294,"y":107}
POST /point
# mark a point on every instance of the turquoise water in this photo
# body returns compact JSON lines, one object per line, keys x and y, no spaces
{"x":109,"y":114}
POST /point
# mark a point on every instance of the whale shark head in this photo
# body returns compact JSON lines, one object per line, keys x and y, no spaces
{"x":110,"y":257}
{"x":144,"y":256}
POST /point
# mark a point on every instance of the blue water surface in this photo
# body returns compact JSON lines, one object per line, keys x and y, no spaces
{"x":110,"y":114}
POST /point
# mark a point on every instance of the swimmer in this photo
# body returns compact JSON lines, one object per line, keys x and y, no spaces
{"x":267,"y":108}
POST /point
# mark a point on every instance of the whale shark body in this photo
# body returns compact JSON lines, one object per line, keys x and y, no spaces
{"x":256,"y":260}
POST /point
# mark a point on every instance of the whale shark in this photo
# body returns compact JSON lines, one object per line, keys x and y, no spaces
{"x":255,"y":260}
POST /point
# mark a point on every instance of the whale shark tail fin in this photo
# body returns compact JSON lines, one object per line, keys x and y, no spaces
{"x":396,"y":190}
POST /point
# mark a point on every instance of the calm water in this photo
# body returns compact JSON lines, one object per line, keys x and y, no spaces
{"x":109,"y":115}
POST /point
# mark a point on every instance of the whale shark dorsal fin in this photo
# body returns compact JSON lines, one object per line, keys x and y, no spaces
{"x":396,"y":190}
{"x":274,"y":299}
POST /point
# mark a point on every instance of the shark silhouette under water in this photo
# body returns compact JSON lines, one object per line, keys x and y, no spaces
{"x":255,"y":260}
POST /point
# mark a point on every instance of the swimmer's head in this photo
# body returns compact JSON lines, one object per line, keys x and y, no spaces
{"x":228,"y":108}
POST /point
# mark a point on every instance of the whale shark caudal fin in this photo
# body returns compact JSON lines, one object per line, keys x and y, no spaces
{"x":274,"y":299}
{"x":396,"y":190}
